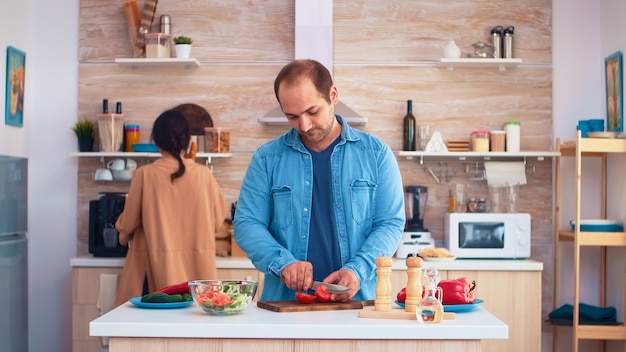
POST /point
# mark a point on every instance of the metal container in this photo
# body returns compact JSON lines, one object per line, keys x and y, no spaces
{"x":507,"y":39}
{"x":166,"y":24}
{"x":496,"y":41}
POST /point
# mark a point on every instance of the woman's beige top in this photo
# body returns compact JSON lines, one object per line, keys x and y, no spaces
{"x":170,"y":228}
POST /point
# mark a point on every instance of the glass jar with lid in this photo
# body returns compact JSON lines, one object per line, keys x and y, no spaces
{"x":480,"y":141}
{"x":158,"y":46}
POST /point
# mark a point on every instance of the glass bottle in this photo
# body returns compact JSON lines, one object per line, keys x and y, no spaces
{"x":430,"y":309}
{"x":408,"y":142}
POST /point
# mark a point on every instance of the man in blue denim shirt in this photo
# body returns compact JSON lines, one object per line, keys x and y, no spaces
{"x":322,"y":201}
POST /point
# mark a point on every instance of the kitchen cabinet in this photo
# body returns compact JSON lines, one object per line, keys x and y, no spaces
{"x":581,"y":149}
{"x":513,"y":296}
{"x":86,"y":288}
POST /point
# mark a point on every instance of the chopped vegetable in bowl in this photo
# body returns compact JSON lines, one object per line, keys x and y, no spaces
{"x":223,"y":297}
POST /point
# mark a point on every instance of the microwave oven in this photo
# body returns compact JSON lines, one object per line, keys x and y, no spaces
{"x":487,"y":235}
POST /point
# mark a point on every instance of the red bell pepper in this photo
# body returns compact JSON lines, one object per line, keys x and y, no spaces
{"x":401,"y":296}
{"x":181,"y":288}
{"x":457,"y":291}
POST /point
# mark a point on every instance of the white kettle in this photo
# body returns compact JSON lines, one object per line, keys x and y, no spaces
{"x":451,"y":50}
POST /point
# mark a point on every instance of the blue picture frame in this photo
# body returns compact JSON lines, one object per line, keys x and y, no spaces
{"x":614,"y":95}
{"x":15,"y":78}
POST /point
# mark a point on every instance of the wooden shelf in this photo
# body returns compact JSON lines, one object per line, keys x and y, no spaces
{"x":500,"y":64}
{"x":169,"y":62}
{"x":580,"y":148}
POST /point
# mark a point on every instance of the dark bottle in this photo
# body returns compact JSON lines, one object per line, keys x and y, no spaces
{"x":105,"y":106}
{"x":408,"y":142}
{"x":118,"y":107}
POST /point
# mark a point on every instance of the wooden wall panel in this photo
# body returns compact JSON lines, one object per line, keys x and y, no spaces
{"x":385,"y":52}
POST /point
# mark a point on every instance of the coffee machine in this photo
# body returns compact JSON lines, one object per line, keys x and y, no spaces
{"x":103,"y":237}
{"x":415,"y":237}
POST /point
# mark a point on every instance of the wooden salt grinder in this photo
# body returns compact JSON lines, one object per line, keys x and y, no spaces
{"x":382,"y":303}
{"x":414,"y":284}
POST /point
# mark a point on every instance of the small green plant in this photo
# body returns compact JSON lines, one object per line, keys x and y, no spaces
{"x":85,"y":128}
{"x":183,"y":40}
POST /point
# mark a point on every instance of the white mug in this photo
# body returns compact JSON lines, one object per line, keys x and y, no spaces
{"x":116,"y":164}
{"x":131,"y":164}
{"x":103,"y":175}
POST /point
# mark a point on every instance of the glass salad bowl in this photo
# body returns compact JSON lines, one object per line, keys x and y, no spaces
{"x":222,"y":297}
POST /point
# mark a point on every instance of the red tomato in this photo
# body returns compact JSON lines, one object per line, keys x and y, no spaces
{"x":304,"y":297}
{"x":322,"y":294}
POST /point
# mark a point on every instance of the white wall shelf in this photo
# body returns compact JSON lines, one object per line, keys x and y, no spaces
{"x":168,"y":62}
{"x":103,"y":155}
{"x":464,"y":156}
{"x":500,"y":64}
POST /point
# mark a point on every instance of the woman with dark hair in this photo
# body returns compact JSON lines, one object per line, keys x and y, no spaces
{"x":173,"y":209}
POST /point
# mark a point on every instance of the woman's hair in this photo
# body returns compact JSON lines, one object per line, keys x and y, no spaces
{"x":170,"y":133}
{"x":311,"y":69}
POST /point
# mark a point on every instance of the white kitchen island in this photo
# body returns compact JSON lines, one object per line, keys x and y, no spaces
{"x":131,"y":328}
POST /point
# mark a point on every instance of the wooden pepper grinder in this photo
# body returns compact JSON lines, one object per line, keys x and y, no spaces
{"x":414,"y":283}
{"x":382,"y":303}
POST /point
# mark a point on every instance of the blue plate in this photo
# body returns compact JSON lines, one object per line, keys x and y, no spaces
{"x":598,"y":226}
{"x":145,"y":148}
{"x":137,"y":301}
{"x":456,"y":308}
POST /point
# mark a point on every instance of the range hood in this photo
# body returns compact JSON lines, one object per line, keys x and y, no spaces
{"x":313,"y":40}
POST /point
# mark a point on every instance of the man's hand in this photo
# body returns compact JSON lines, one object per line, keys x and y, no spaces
{"x":346,"y":278}
{"x":298,"y":276}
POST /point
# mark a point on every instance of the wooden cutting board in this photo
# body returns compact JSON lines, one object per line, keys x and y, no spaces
{"x":295,"y":306}
{"x":369,"y":312}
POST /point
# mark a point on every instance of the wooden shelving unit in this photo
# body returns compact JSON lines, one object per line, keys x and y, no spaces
{"x":582,"y":148}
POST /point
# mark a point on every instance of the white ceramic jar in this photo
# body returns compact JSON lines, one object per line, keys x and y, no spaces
{"x":513,"y":132}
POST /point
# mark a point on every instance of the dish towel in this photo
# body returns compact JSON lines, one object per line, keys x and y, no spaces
{"x":588,"y":315}
{"x":106,"y":297}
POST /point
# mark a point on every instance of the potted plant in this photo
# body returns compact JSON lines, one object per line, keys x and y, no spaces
{"x":183,"y":46}
{"x":85,"y":131}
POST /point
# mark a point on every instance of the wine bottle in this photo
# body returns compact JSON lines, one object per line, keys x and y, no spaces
{"x":408,"y":142}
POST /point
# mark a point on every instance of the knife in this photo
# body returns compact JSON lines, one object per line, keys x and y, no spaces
{"x":332,"y":288}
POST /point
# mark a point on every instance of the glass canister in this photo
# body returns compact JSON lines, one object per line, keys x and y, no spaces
{"x":158,"y":46}
{"x":217,"y":139}
{"x":497,"y":140}
{"x":513,"y":132}
{"x":131,"y":136}
{"x":480,"y":141}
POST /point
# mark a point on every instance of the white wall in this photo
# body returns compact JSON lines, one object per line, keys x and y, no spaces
{"x":47,"y":31}
{"x":584,"y":32}
{"x":16,"y":30}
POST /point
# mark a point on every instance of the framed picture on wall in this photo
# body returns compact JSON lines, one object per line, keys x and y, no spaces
{"x":14,"y":102}
{"x":614,"y":97}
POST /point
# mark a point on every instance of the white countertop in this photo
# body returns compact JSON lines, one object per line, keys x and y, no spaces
{"x":128,"y":320}
{"x":398,"y":264}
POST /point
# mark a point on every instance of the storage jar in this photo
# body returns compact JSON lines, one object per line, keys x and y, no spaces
{"x":131,"y":137}
{"x":217,"y":139}
{"x":480,"y":141}
{"x":513,"y":132}
{"x":158,"y":46}
{"x":497,"y":140}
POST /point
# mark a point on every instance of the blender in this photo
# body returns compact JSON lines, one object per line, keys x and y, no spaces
{"x":415,"y":236}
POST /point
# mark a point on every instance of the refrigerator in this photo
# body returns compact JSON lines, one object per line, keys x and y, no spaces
{"x":13,"y":254}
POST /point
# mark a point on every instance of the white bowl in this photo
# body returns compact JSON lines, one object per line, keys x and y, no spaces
{"x":122,"y":175}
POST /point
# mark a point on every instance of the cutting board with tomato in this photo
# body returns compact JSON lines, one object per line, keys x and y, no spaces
{"x":295,"y":306}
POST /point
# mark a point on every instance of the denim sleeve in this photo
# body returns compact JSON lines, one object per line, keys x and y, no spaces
{"x":388,"y":221}
{"x":252,"y":220}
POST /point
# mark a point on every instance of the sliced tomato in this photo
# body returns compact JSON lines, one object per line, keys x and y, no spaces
{"x":322,"y":294}
{"x":304,"y":297}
